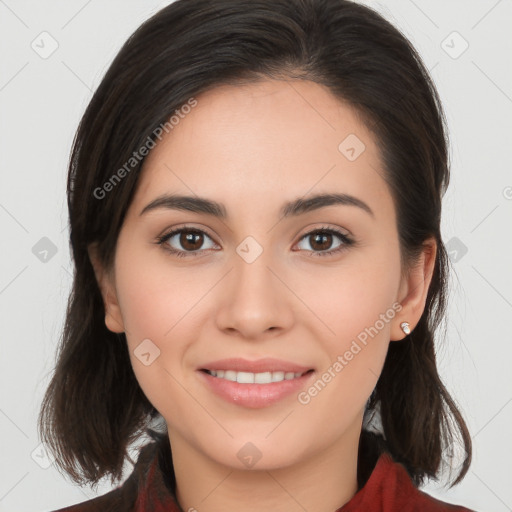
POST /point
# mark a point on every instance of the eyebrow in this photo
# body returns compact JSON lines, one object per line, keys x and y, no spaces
{"x":293,"y":208}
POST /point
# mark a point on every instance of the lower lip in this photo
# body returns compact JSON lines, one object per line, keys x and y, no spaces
{"x":254,"y":396}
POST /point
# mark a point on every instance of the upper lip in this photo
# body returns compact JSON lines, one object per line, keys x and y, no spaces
{"x":267,"y":364}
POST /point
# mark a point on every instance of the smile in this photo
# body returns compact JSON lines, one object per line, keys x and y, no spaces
{"x":254,"y":378}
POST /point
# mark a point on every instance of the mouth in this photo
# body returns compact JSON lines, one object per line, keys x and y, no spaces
{"x":254,"y":384}
{"x":267,"y":377}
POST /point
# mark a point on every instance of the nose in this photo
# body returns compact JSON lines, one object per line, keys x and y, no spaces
{"x":254,"y":301}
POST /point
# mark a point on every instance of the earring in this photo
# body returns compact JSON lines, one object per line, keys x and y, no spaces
{"x":405,"y":327}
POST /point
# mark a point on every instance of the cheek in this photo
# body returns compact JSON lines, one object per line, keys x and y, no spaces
{"x":356,"y":308}
{"x":160,"y":315}
{"x":354,"y":300}
{"x":356,"y":355}
{"x":156,"y":299}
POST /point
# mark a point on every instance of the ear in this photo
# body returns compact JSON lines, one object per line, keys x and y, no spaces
{"x":413,"y":290}
{"x":106,"y":284}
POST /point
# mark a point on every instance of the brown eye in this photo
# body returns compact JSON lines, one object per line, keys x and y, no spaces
{"x":191,"y":240}
{"x":185,"y":242}
{"x":321,"y":240}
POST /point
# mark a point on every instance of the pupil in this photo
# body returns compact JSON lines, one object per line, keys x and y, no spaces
{"x":323,"y":236}
{"x":188,"y":239}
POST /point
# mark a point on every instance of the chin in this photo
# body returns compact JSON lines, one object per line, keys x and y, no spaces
{"x":253,"y":453}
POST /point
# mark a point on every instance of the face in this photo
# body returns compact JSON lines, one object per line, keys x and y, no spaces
{"x":318,"y":289}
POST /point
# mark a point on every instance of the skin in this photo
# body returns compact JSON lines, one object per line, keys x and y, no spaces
{"x":252,"y":148}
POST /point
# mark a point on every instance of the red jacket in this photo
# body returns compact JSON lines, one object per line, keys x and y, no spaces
{"x":150,"y":489}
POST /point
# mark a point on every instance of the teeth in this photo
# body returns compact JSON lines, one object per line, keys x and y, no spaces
{"x":277,"y":376}
{"x":253,"y":378}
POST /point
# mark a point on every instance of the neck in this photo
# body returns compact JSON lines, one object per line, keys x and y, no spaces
{"x":323,"y":482}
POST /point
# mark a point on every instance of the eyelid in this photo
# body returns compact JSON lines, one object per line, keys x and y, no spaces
{"x":185,"y":227}
{"x":315,"y":226}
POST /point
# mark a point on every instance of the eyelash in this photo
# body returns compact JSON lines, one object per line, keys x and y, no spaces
{"x":347,"y":241}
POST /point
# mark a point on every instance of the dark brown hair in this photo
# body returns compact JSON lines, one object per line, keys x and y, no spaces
{"x":94,"y":408}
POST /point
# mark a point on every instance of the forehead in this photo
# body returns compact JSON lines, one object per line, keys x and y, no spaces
{"x":262,"y":141}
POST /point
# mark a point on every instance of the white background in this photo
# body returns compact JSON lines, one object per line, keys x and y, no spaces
{"x":41,"y":101}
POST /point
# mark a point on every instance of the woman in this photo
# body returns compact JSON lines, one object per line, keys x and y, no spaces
{"x":255,"y":203}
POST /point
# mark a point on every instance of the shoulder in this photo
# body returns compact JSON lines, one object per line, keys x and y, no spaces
{"x":390,"y":488}
{"x":113,"y":501}
{"x":408,"y":496}
{"x":429,"y":504}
